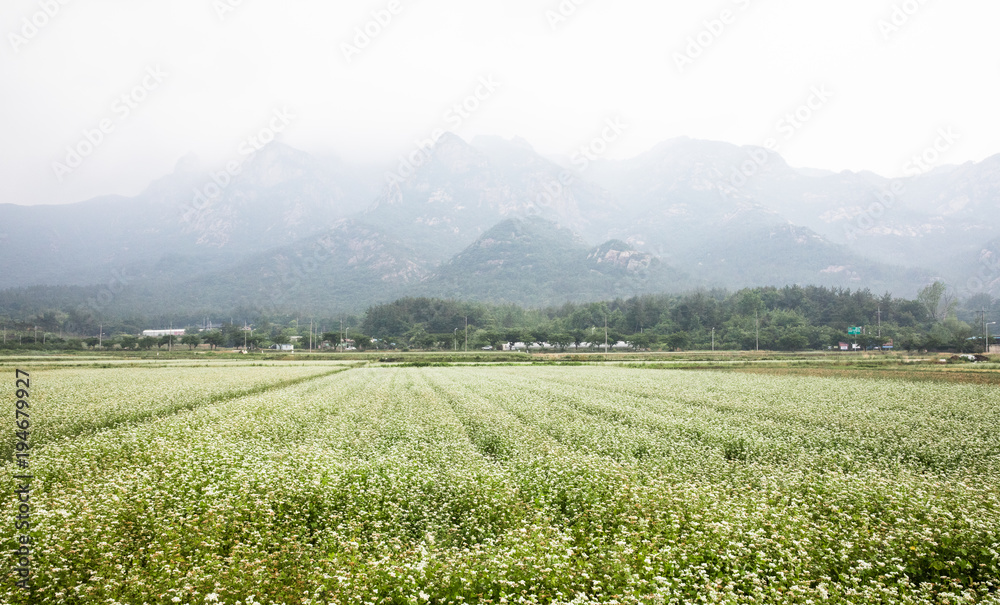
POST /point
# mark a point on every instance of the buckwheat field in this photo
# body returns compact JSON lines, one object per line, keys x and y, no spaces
{"x":315,"y":484}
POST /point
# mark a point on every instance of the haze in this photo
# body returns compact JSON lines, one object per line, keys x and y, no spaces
{"x":876,"y":82}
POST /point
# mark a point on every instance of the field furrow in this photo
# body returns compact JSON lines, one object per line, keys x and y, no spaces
{"x":69,"y":403}
{"x":509,"y":484}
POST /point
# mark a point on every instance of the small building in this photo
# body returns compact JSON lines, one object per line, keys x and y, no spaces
{"x":159,"y":333}
{"x":283,"y":347}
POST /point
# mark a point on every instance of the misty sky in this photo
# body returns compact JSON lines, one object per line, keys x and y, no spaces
{"x":874,"y":80}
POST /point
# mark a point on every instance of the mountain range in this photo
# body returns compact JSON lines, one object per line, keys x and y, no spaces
{"x":492,"y":219}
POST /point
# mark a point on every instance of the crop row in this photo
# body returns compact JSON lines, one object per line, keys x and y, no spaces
{"x":541,"y":485}
{"x":71,"y":402}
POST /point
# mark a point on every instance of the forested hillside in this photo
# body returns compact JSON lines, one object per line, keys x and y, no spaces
{"x":790,"y":318}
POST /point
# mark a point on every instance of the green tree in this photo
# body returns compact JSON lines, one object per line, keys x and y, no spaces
{"x":281,"y":336}
{"x":512,"y":336}
{"x":147,"y":342}
{"x":614,"y":337}
{"x":936,"y":301}
{"x":749,"y":302}
{"x":678,"y":341}
{"x":361,"y":341}
{"x":331,"y":337}
{"x":191,"y":340}
{"x":488,"y":338}
{"x":561,"y":340}
{"x":418,"y":337}
{"x":128,"y":342}
{"x":214,"y":339}
{"x":640,"y":341}
{"x":255,"y":341}
{"x":540,"y":335}
{"x":793,"y":339}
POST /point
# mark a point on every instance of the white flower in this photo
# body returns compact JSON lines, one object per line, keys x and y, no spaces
{"x":211,"y":597}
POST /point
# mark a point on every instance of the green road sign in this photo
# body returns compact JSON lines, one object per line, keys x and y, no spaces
{"x":854,"y":330}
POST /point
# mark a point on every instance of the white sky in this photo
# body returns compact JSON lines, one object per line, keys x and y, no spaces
{"x":556,"y":85}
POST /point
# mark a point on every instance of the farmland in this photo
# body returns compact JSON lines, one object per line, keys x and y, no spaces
{"x":334,"y":483}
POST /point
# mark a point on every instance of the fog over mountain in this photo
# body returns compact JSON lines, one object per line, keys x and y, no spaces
{"x":492,"y":219}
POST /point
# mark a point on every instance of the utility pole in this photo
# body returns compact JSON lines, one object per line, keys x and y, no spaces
{"x":713,"y":340}
{"x":756,"y":329}
{"x":880,"y":322}
{"x":36,"y":335}
{"x":605,"y":334}
{"x":341,"y":333}
{"x":454,"y":340}
{"x":466,"y":333}
{"x":100,"y":335}
{"x":985,"y":331}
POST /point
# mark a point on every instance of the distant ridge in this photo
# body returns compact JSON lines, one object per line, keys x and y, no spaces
{"x":494,"y":220}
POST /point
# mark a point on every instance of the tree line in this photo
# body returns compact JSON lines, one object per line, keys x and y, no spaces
{"x":791,"y":318}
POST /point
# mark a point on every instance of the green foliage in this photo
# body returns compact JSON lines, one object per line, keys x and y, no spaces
{"x":533,"y":484}
{"x":791,"y":318}
{"x":936,"y":302}
{"x":362,"y":341}
{"x":678,"y":341}
{"x":214,"y":338}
